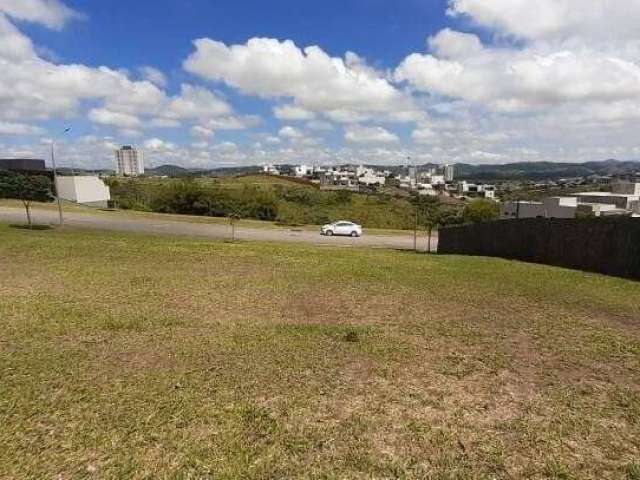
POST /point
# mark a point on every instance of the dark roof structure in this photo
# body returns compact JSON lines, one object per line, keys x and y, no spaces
{"x":22,"y":165}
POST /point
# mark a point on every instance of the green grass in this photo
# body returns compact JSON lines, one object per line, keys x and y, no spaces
{"x":259,"y":197}
{"x":130,"y":356}
{"x":134,"y":214}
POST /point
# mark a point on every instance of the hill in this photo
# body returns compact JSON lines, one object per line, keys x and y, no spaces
{"x":545,"y":170}
{"x":507,"y":171}
{"x":171,"y":171}
{"x":146,"y":357}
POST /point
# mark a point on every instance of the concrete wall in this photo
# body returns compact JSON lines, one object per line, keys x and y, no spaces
{"x":526,"y":210}
{"x":609,"y":245}
{"x":86,"y":190}
{"x":626,"y":188}
{"x":619,"y":200}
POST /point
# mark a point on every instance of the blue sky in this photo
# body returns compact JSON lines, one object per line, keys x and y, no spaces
{"x":477,"y":81}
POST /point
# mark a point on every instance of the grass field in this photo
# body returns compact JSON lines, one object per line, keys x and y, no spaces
{"x":125,"y":356}
{"x":134,"y":214}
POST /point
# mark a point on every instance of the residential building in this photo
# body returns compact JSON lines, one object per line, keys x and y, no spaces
{"x":622,"y":195}
{"x":438,"y":180}
{"x":427,"y":189}
{"x":270,"y":169}
{"x":449,"y":173}
{"x":129,"y":161}
{"x":476,"y":190}
{"x":369,"y":176}
{"x":582,"y":204}
{"x":301,"y":171}
{"x":337,"y":179}
{"x":86,"y":190}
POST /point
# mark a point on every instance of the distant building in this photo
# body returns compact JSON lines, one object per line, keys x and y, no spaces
{"x":370,"y":177}
{"x":624,"y":199}
{"x":302,"y":171}
{"x":449,"y":173}
{"x":622,"y":195}
{"x":85,"y":190}
{"x":26,"y":165}
{"x":129,"y":161}
{"x":270,"y":169}
{"x":413,"y":177}
{"x":476,"y":190}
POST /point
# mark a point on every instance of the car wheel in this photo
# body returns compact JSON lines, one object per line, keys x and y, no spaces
{"x":354,"y":234}
{"x":329,"y":233}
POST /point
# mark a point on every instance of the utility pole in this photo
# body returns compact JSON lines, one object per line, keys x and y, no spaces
{"x":55,"y":182}
{"x":415,"y":228}
{"x":55,"y":176}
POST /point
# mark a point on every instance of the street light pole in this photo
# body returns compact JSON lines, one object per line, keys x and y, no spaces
{"x":55,"y":182}
{"x":55,"y":175}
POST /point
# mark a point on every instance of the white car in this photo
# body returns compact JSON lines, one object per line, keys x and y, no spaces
{"x":342,"y":228}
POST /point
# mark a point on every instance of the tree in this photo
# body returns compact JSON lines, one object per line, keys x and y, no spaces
{"x":480,"y":211}
{"x":234,"y":218}
{"x":432,"y":214}
{"x":428,"y":212}
{"x":27,"y":189}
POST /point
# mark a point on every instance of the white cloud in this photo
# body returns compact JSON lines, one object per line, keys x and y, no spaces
{"x":554,"y":19}
{"x":423,"y":135}
{"x":315,"y":81}
{"x":154,"y":75}
{"x":451,"y":44}
{"x":197,"y":103}
{"x":201,"y":132}
{"x":292,"y":112}
{"x":319,"y":125}
{"x":32,"y":88}
{"x":157,"y":144}
{"x":164,"y":123}
{"x":560,"y":81}
{"x":233,"y":122}
{"x":225,"y":148}
{"x":511,"y":79}
{"x":367,"y":135}
{"x":290,"y":132}
{"x":10,"y":128}
{"x":104,"y":116}
{"x":50,"y":13}
{"x":272,"y":140}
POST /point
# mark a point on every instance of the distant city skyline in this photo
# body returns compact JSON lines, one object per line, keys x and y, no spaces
{"x":203,"y":84}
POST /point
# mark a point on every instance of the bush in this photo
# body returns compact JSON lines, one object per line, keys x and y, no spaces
{"x":480,"y":211}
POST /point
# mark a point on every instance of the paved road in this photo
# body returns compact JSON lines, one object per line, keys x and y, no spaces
{"x":123,"y":222}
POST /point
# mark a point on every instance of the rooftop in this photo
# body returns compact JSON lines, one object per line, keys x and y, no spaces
{"x":605,"y":194}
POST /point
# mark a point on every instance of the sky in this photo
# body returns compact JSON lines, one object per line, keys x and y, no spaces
{"x":206,"y":84}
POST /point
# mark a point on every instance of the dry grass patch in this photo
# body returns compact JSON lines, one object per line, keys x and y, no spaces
{"x":127,"y":356}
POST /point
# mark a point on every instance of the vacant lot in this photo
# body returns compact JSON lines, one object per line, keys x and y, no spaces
{"x":284,"y":200}
{"x":140,"y":357}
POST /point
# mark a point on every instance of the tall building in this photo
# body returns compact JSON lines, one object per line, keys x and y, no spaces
{"x":449,"y":173}
{"x":129,"y":162}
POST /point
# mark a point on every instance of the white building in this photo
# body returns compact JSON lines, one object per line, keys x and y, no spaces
{"x":83,"y":189}
{"x":427,"y":189}
{"x":301,"y":171}
{"x":623,"y":195}
{"x":129,"y":161}
{"x":558,"y":207}
{"x":476,"y":190}
{"x":369,"y":176}
{"x":270,"y":169}
{"x":437,"y":180}
{"x":449,"y":173}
